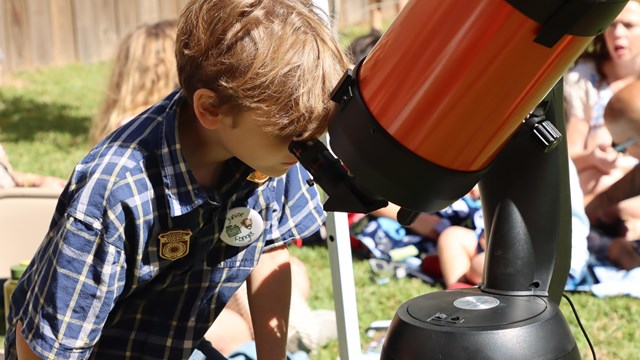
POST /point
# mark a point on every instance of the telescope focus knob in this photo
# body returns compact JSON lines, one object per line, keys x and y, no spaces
{"x":543,"y":131}
{"x":546,"y":135}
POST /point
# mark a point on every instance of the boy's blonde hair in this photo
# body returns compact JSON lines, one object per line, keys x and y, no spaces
{"x":275,"y":57}
{"x":623,"y":109}
{"x":143,"y":72}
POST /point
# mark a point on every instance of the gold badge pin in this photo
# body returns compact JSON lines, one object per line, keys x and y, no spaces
{"x":257,"y":177}
{"x":174,"y":244}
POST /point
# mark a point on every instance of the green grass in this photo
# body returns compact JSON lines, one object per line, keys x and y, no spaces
{"x":44,"y":119}
{"x":612,"y":323}
{"x":45,"y":116}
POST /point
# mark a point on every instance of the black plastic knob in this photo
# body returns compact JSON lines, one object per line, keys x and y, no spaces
{"x":546,"y":135}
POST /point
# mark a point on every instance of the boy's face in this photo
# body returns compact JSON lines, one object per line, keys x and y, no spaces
{"x":242,"y":136}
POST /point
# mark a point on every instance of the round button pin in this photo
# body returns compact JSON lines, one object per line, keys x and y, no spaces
{"x":242,"y":227}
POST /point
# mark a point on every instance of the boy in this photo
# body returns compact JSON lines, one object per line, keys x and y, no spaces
{"x":615,"y":213}
{"x":164,"y":219}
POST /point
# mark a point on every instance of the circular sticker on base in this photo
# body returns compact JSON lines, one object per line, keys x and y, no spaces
{"x":242,"y":227}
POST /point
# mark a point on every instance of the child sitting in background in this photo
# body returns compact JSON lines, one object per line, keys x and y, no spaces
{"x":615,"y":213}
{"x":461,"y":241}
{"x":10,"y":178}
{"x":445,"y":232}
{"x":143,"y":72}
{"x":461,"y":247}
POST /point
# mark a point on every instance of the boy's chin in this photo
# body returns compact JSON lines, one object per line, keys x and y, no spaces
{"x":275,"y":173}
{"x":264,"y":174}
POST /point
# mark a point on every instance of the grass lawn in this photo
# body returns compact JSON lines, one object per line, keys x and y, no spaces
{"x":44,"y":119}
{"x":45,"y":116}
{"x":612,"y":323}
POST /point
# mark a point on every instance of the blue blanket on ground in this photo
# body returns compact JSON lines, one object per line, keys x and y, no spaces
{"x":605,"y":279}
{"x":614,"y":281}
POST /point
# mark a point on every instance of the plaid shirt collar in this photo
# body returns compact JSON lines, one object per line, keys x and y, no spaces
{"x":182,"y":190}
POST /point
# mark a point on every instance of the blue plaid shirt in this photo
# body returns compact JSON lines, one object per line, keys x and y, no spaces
{"x":97,"y":287}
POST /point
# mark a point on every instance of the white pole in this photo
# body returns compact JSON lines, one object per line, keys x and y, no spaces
{"x":341,"y":262}
{"x":344,"y":289}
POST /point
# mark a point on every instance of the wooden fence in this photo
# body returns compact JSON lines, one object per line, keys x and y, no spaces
{"x":37,"y":33}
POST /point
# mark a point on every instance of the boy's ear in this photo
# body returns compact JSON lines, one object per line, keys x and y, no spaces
{"x":204,"y":105}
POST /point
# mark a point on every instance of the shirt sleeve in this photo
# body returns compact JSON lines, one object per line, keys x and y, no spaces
{"x":300,"y":212}
{"x":578,"y":90}
{"x":71,"y":284}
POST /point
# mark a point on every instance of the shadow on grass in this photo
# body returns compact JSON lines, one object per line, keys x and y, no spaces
{"x":21,"y":118}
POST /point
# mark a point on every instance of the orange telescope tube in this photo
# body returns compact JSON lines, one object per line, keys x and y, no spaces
{"x":459,"y":86}
{"x":447,"y":86}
